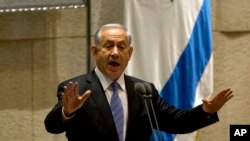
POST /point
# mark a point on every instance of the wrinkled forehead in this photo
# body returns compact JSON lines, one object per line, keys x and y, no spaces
{"x":115,"y":34}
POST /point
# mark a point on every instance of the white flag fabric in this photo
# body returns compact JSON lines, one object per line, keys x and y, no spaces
{"x":172,"y":41}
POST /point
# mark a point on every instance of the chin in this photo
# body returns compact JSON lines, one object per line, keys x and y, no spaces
{"x":114,"y":75}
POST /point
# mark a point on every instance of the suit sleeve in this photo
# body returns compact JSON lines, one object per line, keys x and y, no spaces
{"x":173,"y":120}
{"x":54,"y":122}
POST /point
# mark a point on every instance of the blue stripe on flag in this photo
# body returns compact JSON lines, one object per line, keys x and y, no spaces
{"x":181,"y":87}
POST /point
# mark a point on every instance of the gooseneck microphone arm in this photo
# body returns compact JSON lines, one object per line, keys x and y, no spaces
{"x":140,"y":89}
{"x":149,"y":96}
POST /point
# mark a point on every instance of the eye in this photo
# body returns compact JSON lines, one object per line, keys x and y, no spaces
{"x":121,"y":45}
{"x":108,"y":45}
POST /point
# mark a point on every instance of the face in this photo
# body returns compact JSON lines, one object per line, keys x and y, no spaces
{"x":113,"y":53}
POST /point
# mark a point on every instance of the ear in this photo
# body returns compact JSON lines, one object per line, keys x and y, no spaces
{"x":130,"y":51}
{"x":94,"y":50}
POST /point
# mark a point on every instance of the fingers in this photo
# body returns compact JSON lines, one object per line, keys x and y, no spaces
{"x":70,"y":93}
{"x":76,"y":89}
{"x":229,"y":95}
{"x":65,"y":94}
{"x":70,"y":89}
{"x":73,"y":89}
{"x":64,"y":99}
{"x":224,"y":92}
{"x":225,"y":95}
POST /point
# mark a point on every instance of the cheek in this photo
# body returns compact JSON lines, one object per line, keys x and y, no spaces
{"x":102,"y":59}
{"x":125,"y":61}
{"x":101,"y":55}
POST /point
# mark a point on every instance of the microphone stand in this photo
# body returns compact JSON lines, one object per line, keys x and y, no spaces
{"x":149,"y":97}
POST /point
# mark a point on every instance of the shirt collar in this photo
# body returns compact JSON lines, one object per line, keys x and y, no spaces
{"x":105,"y":81}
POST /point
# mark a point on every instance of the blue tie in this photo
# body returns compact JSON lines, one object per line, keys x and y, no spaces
{"x":117,"y":110}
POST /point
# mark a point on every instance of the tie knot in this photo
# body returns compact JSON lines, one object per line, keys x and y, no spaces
{"x":115,"y":86}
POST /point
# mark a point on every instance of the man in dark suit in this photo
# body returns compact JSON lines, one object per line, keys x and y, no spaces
{"x":84,"y":102}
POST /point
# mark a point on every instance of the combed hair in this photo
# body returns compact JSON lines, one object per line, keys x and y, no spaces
{"x":97,"y":36}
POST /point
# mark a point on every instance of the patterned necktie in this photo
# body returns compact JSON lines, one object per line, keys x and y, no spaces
{"x":117,"y":110}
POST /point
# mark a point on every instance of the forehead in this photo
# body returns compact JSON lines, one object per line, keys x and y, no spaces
{"x":114,"y":34}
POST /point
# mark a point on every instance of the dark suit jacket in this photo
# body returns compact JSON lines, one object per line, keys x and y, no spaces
{"x":94,"y":121}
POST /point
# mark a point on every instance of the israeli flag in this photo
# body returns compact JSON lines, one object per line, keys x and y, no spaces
{"x":172,"y":41}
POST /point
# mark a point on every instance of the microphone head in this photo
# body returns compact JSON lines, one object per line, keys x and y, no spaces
{"x":140,"y":89}
{"x":148,"y":88}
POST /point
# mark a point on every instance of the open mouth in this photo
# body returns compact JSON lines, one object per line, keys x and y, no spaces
{"x":114,"y":64}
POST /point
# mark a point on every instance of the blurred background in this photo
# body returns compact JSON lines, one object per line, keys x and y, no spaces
{"x":40,"y":48}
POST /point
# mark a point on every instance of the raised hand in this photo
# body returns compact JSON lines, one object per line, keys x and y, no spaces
{"x":71,"y":98}
{"x":214,"y":103}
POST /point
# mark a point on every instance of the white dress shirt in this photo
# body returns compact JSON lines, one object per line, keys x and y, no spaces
{"x":106,"y":82}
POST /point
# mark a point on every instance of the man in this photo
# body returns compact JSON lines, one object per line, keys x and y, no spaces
{"x":84,"y":109}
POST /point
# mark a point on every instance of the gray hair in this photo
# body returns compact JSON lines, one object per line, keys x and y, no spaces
{"x":97,"y":36}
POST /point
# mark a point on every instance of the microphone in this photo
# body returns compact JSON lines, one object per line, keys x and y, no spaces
{"x":140,"y":89}
{"x":147,"y":88}
{"x":149,"y":96}
{"x":144,"y":90}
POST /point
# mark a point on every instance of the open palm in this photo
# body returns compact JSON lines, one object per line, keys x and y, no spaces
{"x":214,"y":103}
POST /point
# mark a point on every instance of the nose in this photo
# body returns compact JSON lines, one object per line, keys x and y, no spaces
{"x":115,"y":51}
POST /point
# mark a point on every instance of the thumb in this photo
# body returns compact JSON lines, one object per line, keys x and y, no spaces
{"x":85,"y":96}
{"x":205,"y":105}
{"x":204,"y":101}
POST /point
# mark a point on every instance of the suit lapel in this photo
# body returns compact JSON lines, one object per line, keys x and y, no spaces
{"x":132,"y":106}
{"x":133,"y":103}
{"x":101,"y":101}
